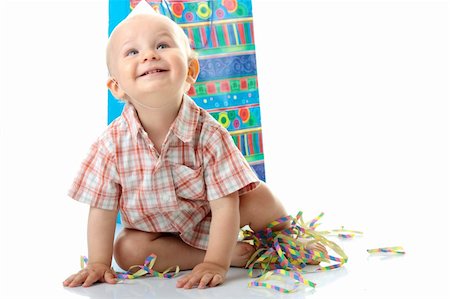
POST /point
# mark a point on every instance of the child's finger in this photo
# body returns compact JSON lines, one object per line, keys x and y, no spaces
{"x":78,"y":279}
{"x":205,"y":280}
{"x":182,"y":281}
{"x":110,"y":278}
{"x":192,"y":282}
{"x":90,"y":279}
{"x":69,"y":280}
{"x":217,"y":279}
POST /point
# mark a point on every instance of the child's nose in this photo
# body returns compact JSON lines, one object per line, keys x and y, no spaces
{"x":150,"y":55}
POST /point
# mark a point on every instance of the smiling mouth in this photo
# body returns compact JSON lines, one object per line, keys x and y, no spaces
{"x":155,"y":71}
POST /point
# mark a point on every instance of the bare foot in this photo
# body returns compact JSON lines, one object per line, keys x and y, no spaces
{"x":314,"y":246}
{"x":241,"y":254}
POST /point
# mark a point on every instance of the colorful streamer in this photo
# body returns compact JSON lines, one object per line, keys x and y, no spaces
{"x":346,"y":236}
{"x":279,"y":255}
{"x":282,"y":254}
{"x":281,"y":274}
{"x":143,"y":270}
{"x":393,"y":250}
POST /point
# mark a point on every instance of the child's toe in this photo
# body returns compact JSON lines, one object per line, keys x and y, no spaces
{"x":242,"y":252}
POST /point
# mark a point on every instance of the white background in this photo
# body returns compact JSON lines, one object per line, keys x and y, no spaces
{"x":354,"y":98}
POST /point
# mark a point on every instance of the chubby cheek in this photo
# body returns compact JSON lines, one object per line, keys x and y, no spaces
{"x":126,"y":75}
{"x":182,"y":70}
{"x":129,"y":71}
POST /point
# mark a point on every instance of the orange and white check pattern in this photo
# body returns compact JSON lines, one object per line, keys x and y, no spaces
{"x":168,"y":191}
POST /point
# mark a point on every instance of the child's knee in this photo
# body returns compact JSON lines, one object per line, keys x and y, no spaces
{"x":259,"y":198}
{"x":259,"y":207}
{"x":130,"y":245}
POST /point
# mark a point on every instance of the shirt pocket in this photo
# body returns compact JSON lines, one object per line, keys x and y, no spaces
{"x":188,"y":182}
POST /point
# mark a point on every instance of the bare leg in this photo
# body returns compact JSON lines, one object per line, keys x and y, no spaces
{"x":133,"y":246}
{"x":259,"y":207}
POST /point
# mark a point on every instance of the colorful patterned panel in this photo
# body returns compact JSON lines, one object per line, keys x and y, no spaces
{"x":221,"y":31}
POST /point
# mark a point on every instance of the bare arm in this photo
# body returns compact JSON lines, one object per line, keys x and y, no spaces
{"x":224,"y":230}
{"x":222,"y":239}
{"x":101,"y":227}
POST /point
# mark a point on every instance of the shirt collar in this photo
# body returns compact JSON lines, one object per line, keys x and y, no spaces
{"x":183,"y":127}
{"x":134,"y":124}
{"x":185,"y":124}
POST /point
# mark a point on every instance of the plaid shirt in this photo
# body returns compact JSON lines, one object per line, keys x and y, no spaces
{"x":170,"y":191}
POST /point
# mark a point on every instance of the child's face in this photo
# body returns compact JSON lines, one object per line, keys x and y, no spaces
{"x":148,"y":60}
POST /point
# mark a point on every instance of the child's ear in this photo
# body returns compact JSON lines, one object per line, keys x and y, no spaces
{"x":115,"y":89}
{"x":193,"y":70}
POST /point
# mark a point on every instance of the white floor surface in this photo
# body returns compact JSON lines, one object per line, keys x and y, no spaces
{"x":413,"y":275}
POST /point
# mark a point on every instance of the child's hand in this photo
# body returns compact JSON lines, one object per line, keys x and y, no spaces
{"x":91,"y":274}
{"x":204,"y":274}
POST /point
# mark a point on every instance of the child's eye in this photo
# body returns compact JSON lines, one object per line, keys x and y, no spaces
{"x":132,"y":52}
{"x":162,"y":46}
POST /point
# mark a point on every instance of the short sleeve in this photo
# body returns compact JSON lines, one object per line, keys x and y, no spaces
{"x":97,"y":182}
{"x":225,"y":169}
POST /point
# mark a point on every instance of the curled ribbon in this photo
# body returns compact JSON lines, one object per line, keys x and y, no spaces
{"x":283,"y":254}
{"x":394,"y":250}
{"x":343,"y":233}
{"x":280,"y":255}
{"x":145,"y":269}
